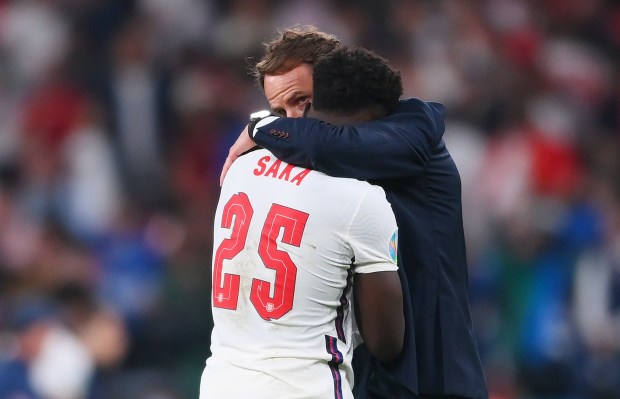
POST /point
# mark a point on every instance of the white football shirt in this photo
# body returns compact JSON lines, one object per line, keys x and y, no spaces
{"x":287,"y":242}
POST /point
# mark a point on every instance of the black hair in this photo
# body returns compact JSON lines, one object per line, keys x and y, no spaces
{"x":348,"y":80}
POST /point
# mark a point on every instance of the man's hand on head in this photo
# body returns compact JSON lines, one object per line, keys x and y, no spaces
{"x":243,"y":144}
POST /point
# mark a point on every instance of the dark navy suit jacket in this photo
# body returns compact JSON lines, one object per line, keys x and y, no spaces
{"x":405,"y":154}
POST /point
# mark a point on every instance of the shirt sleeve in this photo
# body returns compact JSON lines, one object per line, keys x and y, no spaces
{"x":399,"y":145}
{"x":373,"y":234}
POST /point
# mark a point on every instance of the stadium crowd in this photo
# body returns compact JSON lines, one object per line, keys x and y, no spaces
{"x":116,"y":117}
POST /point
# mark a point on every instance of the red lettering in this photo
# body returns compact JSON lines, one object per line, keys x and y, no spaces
{"x":264,"y":169}
{"x":286,"y":173}
{"x":300,"y":176}
{"x":262,"y":165}
{"x":273,"y":170}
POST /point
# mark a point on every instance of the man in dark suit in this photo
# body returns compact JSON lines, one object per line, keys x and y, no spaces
{"x":405,"y":154}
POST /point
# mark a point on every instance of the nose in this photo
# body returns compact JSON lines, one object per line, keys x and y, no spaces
{"x":295,"y":113}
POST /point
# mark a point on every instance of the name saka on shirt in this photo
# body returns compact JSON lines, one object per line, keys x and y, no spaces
{"x":289,"y":173}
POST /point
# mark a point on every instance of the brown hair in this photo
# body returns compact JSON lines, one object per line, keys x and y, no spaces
{"x":293,"y":47}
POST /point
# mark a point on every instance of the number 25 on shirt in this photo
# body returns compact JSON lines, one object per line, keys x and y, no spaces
{"x":236,"y":215}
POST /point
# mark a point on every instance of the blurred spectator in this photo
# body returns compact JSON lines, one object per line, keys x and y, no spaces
{"x":35,"y":36}
{"x":178,"y":24}
{"x":241,"y":28}
{"x":48,"y":360}
{"x":134,"y":84}
{"x":50,"y":114}
{"x":596,"y":303}
{"x":319,"y":13}
{"x":90,"y":188}
{"x":131,"y":268}
{"x":116,"y":116}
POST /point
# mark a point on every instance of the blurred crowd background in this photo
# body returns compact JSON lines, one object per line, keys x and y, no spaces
{"x":115,"y":119}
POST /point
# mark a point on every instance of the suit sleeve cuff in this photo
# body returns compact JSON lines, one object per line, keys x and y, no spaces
{"x":266,"y":120}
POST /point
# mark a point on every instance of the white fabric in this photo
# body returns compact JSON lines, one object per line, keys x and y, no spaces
{"x":63,"y":368}
{"x":288,"y":357}
{"x":263,"y":122}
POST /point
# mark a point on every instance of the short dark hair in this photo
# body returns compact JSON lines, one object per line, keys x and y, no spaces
{"x":291,"y":48}
{"x":347,"y":80}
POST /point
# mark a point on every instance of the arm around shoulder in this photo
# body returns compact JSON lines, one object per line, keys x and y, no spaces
{"x":396,"y":146}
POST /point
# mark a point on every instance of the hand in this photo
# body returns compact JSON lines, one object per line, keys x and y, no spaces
{"x":244,"y":143}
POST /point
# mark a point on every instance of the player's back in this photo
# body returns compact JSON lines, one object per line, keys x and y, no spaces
{"x":284,"y":242}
